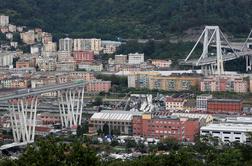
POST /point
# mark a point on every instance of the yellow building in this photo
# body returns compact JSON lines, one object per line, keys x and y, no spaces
{"x":174,"y":83}
{"x":140,"y":79}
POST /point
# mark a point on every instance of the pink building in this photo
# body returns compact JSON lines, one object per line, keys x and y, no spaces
{"x":98,"y":86}
{"x":161,"y":63}
{"x":225,"y":83}
{"x":87,"y":76}
{"x":83,"y":56}
{"x":49,"y":118}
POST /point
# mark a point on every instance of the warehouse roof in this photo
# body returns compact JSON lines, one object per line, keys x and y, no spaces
{"x":109,"y":115}
{"x":207,"y":117}
{"x":225,"y":100}
{"x":228,"y":127}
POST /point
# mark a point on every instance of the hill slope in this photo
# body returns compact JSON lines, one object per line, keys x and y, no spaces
{"x":129,"y":18}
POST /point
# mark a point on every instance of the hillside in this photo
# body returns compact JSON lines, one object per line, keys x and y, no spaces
{"x":129,"y":18}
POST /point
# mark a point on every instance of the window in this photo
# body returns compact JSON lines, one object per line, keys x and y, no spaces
{"x":237,"y":133}
{"x":205,"y":131}
{"x":226,"y":132}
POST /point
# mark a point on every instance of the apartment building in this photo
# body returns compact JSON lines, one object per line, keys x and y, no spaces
{"x":98,"y":86}
{"x":174,"y":103}
{"x":6,"y":58}
{"x":161,"y":127}
{"x":66,"y":44}
{"x":140,"y":79}
{"x":224,"y":83}
{"x":83,"y":56}
{"x":23,"y":64}
{"x":49,"y":47}
{"x":91,"y":66}
{"x":120,"y":59}
{"x":42,"y":81}
{"x":95,"y":45}
{"x":201,"y":101}
{"x":14,"y":83}
{"x":48,"y":118}
{"x":174,"y":82}
{"x":161,"y":63}
{"x":68,"y":77}
{"x":4,"y":21}
{"x":12,"y":28}
{"x":154,"y":80}
{"x":46,"y":38}
{"x":46,"y":63}
{"x":66,"y":66}
{"x":135,"y":58}
{"x":109,"y":47}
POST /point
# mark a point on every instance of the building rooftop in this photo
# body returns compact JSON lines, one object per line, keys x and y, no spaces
{"x":193,"y":115}
{"x":228,"y":127}
{"x":226,"y":100}
{"x":117,"y":115}
{"x":243,"y":120}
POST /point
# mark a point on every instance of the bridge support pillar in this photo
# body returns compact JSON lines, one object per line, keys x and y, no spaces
{"x":248,"y":63}
{"x":23,"y":113}
{"x":71,"y":106}
{"x":208,"y":69}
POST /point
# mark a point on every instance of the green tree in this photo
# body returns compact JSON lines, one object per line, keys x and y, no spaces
{"x":105,"y":129}
{"x":98,"y":101}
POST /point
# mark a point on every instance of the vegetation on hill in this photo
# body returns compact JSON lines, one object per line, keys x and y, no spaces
{"x":110,"y":19}
{"x":133,"y":19}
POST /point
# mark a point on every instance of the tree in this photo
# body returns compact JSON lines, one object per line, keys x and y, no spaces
{"x":53,"y":152}
{"x":105,"y":129}
{"x":98,"y":101}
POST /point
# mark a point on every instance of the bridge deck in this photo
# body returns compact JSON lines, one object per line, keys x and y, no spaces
{"x":41,"y":90}
{"x":213,"y":59}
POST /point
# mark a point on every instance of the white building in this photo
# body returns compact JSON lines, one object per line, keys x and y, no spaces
{"x":135,"y":58}
{"x":174,"y":103}
{"x":12,"y":28}
{"x":49,"y":47}
{"x":116,"y":120}
{"x":6,"y":58}
{"x":14,"y":44}
{"x":240,"y":120}
{"x":91,"y":67}
{"x":9,"y":36}
{"x":35,"y":49}
{"x":95,"y":45}
{"x":81,"y":44}
{"x":66,"y":44}
{"x":65,"y":56}
{"x":4,"y":20}
{"x":227,"y":132}
{"x":201,"y":102}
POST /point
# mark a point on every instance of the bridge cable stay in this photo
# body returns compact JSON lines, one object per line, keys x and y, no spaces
{"x":210,"y":64}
